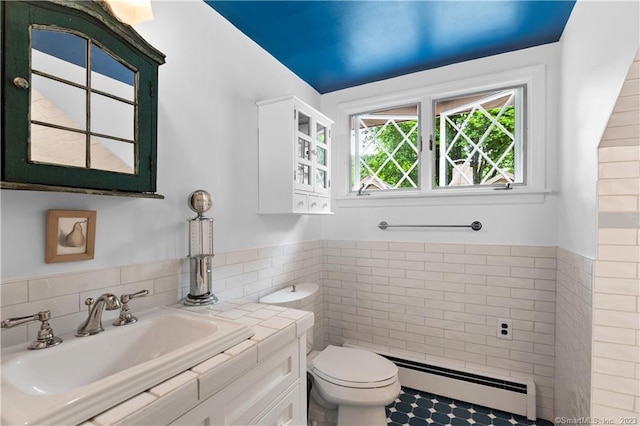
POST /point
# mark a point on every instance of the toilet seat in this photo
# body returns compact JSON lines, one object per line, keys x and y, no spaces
{"x":354,"y":368}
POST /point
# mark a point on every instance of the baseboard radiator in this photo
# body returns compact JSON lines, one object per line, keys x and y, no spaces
{"x":517,"y":396}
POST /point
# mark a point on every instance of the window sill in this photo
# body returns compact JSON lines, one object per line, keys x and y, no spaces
{"x":446,"y":197}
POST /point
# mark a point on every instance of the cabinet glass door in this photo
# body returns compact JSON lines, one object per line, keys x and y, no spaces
{"x":321,"y":158}
{"x":304,"y":123}
{"x":304,"y":147}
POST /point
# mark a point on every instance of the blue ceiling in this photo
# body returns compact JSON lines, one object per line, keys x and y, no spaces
{"x":338,"y":44}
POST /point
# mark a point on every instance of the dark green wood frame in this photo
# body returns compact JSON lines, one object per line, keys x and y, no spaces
{"x":94,"y":19}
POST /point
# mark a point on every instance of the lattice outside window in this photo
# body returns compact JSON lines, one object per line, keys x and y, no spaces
{"x":461,"y":138}
{"x":479,"y":139}
{"x":385,"y":152}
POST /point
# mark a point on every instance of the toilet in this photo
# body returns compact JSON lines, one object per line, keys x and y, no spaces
{"x":350,"y":386}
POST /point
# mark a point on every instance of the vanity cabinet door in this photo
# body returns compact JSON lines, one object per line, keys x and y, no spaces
{"x":286,"y":412}
{"x":253,"y":393}
{"x":206,"y":414}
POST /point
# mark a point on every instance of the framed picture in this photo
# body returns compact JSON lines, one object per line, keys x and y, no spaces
{"x":71,"y":235}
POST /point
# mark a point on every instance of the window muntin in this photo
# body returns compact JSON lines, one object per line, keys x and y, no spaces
{"x":478,"y":139}
{"x":385,"y":149}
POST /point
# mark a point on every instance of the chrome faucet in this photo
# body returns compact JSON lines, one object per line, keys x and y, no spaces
{"x":46,"y":339}
{"x":126,"y":317}
{"x":93,"y":323}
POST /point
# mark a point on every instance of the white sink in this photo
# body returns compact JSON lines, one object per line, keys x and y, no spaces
{"x":87,"y":375}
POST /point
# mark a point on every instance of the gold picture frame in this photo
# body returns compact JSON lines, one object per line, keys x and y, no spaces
{"x":71,"y":235}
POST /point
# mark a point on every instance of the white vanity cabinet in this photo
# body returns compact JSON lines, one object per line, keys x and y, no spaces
{"x":269,"y":394}
{"x":259,"y":381}
{"x":294,"y":154}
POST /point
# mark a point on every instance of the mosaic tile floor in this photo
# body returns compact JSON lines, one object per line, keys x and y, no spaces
{"x":417,"y":408}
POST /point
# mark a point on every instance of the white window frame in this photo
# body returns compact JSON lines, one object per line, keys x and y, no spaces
{"x":520,"y":142}
{"x":392,"y":158}
{"x":533,"y":78}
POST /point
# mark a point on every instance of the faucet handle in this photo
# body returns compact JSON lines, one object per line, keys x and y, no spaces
{"x":46,"y":339}
{"x":126,"y":297}
{"x":125,"y":313}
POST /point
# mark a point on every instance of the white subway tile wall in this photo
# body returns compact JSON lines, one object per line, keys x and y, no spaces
{"x":441,"y":303}
{"x":615,"y":388}
{"x":241,"y":276}
{"x":436,"y":302}
{"x":573,"y":335}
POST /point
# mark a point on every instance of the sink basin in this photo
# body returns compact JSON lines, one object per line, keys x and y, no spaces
{"x":87,"y":375}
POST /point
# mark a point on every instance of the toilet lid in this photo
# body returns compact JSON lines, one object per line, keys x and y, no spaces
{"x":354,"y":368}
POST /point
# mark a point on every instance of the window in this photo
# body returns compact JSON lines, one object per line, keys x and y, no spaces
{"x":478,"y":139}
{"x":462,"y":137}
{"x":386,"y":149}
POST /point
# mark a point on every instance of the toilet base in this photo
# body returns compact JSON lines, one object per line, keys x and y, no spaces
{"x":321,"y":416}
{"x":353,"y":415}
{"x":323,"y":413}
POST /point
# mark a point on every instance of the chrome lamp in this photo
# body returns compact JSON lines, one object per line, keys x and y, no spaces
{"x":200,"y":251}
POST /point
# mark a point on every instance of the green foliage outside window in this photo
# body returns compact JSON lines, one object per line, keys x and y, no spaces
{"x":391,"y":137}
{"x":481,"y":144}
{"x":497,"y":145}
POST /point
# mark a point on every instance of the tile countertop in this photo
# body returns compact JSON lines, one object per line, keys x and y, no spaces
{"x":274,"y":327}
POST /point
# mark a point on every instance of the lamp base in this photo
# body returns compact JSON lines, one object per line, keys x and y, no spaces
{"x":205,"y":299}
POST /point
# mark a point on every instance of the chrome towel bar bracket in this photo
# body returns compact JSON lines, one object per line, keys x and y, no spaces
{"x":475,"y":225}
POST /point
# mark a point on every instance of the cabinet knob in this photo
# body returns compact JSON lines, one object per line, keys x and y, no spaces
{"x":20,"y":83}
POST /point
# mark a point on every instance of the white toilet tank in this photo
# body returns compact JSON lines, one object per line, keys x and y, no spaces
{"x":299,"y":296}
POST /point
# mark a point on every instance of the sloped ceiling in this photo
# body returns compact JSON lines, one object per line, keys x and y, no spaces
{"x":334,"y":45}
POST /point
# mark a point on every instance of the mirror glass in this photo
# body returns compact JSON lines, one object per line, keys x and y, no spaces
{"x":111,"y":117}
{"x":47,"y":144}
{"x":103,"y":158}
{"x":83,"y":104}
{"x":44,"y":110}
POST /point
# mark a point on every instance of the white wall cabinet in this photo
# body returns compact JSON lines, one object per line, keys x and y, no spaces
{"x":294,"y":155}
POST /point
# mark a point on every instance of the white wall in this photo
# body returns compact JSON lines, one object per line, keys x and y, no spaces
{"x":207,"y":138}
{"x":507,"y":220}
{"x":597,"y":48}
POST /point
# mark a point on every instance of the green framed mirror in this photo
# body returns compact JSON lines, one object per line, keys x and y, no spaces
{"x":79,"y":100}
